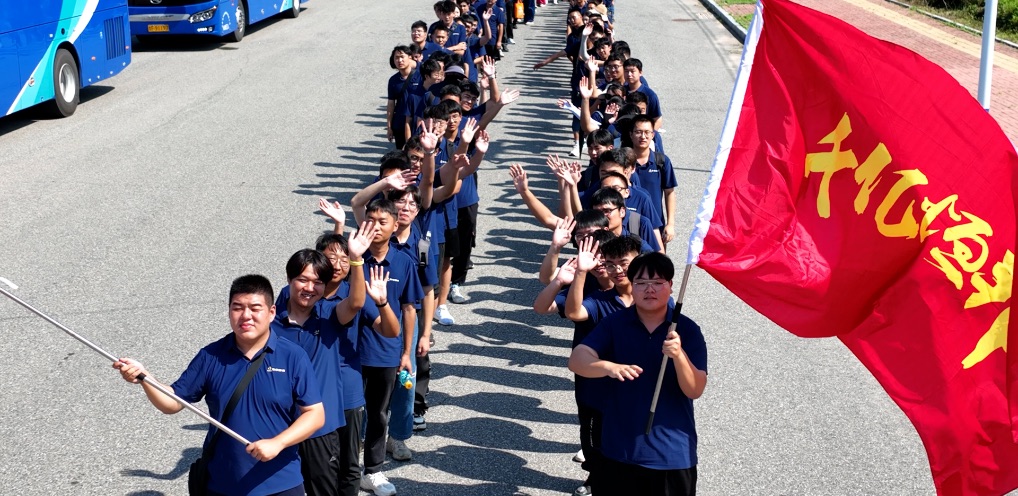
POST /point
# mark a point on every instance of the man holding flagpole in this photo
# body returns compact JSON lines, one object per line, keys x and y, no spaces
{"x":627,"y":346}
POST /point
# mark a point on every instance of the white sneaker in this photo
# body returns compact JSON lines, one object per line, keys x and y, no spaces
{"x":510,"y":41}
{"x":578,"y":457}
{"x":575,"y":152}
{"x":398,"y":449}
{"x":378,"y":484}
{"x":455,"y":295}
{"x":443,"y":316}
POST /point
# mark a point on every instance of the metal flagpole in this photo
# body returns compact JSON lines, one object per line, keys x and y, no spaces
{"x":986,"y":60}
{"x":152,"y":382}
{"x":664,"y":359}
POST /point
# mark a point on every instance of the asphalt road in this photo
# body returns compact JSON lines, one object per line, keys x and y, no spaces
{"x":203,"y":161}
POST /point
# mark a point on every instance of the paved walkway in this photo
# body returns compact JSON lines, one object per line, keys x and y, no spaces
{"x":955,"y":50}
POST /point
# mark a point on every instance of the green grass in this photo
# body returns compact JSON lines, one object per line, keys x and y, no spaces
{"x":743,"y":20}
{"x":970,"y":13}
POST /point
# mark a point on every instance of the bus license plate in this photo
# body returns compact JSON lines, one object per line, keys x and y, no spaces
{"x":159,"y":28}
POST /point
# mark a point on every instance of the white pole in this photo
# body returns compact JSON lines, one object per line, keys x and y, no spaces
{"x":986,"y":61}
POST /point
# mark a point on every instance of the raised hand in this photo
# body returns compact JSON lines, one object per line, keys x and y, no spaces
{"x":486,"y":15}
{"x":554,"y":162}
{"x":395,"y":181}
{"x":488,"y":66}
{"x":585,"y":90}
{"x":483,"y":140}
{"x":509,"y":96}
{"x":519,"y":177}
{"x":586,"y":260}
{"x":377,"y":285}
{"x":592,"y":67}
{"x":459,"y":161}
{"x":469,"y":129}
{"x":574,"y":172}
{"x":612,"y":109}
{"x":360,"y":240}
{"x":588,"y":28}
{"x":566,"y":273}
{"x":429,"y":138}
{"x":333,"y":211}
{"x":563,"y":232}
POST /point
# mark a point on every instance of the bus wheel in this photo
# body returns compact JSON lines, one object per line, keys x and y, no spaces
{"x":66,"y":85}
{"x":295,"y":11}
{"x":241,"y":15}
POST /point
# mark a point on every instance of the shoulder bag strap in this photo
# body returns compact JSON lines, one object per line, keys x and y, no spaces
{"x":237,"y":393}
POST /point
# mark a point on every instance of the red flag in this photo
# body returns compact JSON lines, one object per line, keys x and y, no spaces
{"x":860,"y":192}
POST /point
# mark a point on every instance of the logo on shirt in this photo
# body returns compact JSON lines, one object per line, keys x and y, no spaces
{"x":273,"y":369}
{"x":392,"y":279}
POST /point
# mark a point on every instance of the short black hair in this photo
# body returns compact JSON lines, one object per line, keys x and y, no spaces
{"x":446,"y":6}
{"x":631,"y":62}
{"x":437,"y":112}
{"x":607,"y":196}
{"x":391,"y":165}
{"x":641,"y":118}
{"x":329,"y":239}
{"x":636,"y":97}
{"x":398,"y":194}
{"x":616,"y":175}
{"x":450,"y":89}
{"x":441,"y":57}
{"x":468,"y":86}
{"x":586,"y":219}
{"x":621,"y":48}
{"x":392,"y":56}
{"x":439,"y":27}
{"x":253,"y":284}
{"x":430,"y":66}
{"x":651,"y":265}
{"x":622,"y":246}
{"x":600,"y":137}
{"x":316,"y":259}
{"x":602,"y":236}
{"x":419,"y":25}
{"x":382,"y":205}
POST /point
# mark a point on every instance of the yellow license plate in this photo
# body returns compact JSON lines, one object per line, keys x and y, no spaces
{"x":159,"y":28}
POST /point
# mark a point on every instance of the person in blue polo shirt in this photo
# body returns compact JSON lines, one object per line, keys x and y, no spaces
{"x":613,"y":205}
{"x":319,"y":330}
{"x":656,"y":174}
{"x":281,"y":407}
{"x":628,"y":346}
{"x":382,"y":358}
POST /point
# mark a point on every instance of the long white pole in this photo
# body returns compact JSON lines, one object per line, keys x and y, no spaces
{"x":986,"y":61}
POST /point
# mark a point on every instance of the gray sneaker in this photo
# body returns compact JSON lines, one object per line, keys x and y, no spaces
{"x":455,"y":295}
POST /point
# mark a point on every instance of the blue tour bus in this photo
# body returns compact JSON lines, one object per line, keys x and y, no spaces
{"x":50,"y":49}
{"x":228,"y":18}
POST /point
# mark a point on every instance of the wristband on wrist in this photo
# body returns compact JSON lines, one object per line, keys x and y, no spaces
{"x":356,"y":263}
{"x":382,"y":304}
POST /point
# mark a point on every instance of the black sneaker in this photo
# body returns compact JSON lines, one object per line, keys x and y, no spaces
{"x":419,"y":423}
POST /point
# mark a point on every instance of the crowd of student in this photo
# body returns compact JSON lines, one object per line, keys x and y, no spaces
{"x":346,"y":344}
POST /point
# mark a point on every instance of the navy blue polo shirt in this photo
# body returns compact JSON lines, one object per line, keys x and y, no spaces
{"x":653,"y":104}
{"x":350,"y":373}
{"x":404,"y":288}
{"x":655,"y":180}
{"x":639,"y":201}
{"x":457,"y":33}
{"x":671,"y":445}
{"x":498,"y":16}
{"x":320,"y":337}
{"x":431,"y":47}
{"x":601,"y":304}
{"x":428,"y":273}
{"x":395,"y":92}
{"x":351,"y":385}
{"x":271,"y":403}
{"x":586,"y":389}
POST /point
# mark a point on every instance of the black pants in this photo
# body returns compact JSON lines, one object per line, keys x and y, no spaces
{"x":319,"y":464}
{"x":590,"y":442}
{"x":350,"y":452}
{"x":423,"y":379}
{"x":622,"y":478}
{"x":378,"y":385}
{"x":467,"y":227}
{"x":399,"y":131}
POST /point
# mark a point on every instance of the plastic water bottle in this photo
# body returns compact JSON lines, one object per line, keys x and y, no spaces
{"x":406,"y":379}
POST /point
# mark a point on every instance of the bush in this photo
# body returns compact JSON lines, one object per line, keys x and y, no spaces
{"x":1007,"y":11}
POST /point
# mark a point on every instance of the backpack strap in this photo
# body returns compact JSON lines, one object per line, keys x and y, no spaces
{"x":634,"y":222}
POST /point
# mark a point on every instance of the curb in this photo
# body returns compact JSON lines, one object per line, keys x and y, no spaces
{"x":726,"y":19}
